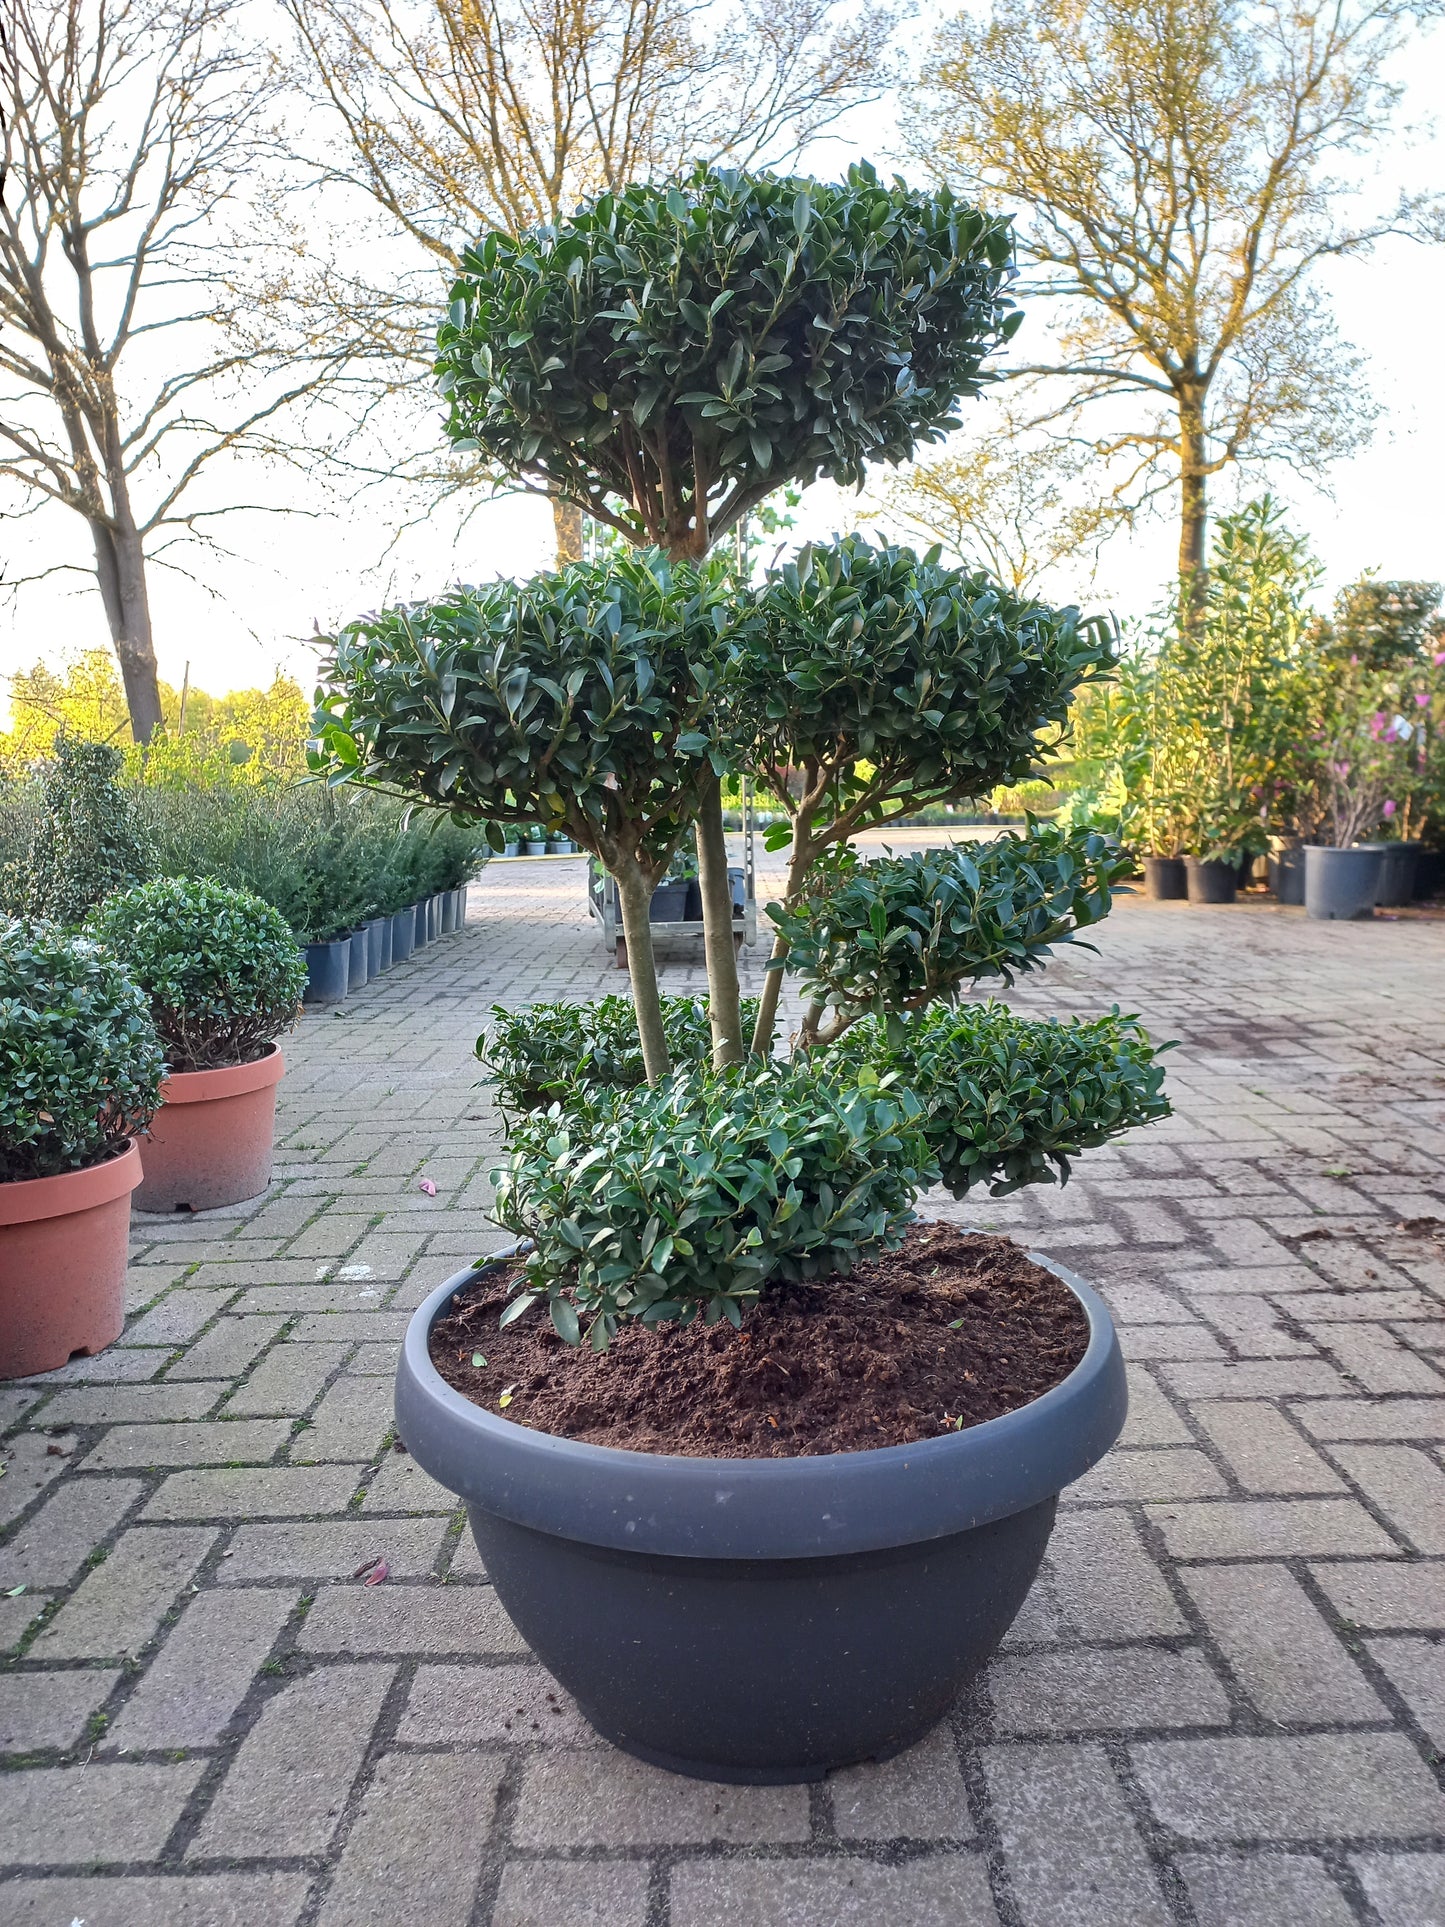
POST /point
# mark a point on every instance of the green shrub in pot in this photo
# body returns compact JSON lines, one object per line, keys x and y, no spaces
{"x":80,"y":1061}
{"x":543,"y":1054}
{"x":87,"y":837}
{"x":220,"y":968}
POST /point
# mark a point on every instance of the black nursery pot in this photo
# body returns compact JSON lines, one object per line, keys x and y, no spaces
{"x":1165,"y":878}
{"x":1211,"y":882}
{"x":763,"y":1620}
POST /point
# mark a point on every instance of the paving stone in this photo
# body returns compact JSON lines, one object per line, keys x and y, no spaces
{"x":289,"y":1781}
{"x":32,"y":1464}
{"x":15,"y":1618}
{"x":1171,"y":1472}
{"x":1073,"y":1854}
{"x":204,"y":1670}
{"x":400,"y":1485}
{"x":1319,"y":1786}
{"x":350,"y":1423}
{"x":370,"y":1327}
{"x":54,"y":1543}
{"x":1269,"y":1529}
{"x":81,"y":1814}
{"x":49,"y":1709}
{"x":1252,"y":1325}
{"x":1406,"y":1485}
{"x":1365,"y":1418}
{"x":1146,"y":1342}
{"x":1256,"y":1378}
{"x":374,"y":1361}
{"x":1278,"y":1647}
{"x":1262,"y":1449}
{"x":491,"y":1706}
{"x":148,"y":1900}
{"x":589,"y":1796}
{"x":917,"y":1795}
{"x":1379,"y":1361}
{"x":560,"y":1893}
{"x":178,"y":1316}
{"x":832,"y":1893}
{"x":1416,"y":1669}
{"x":287,"y":1381}
{"x":332,"y":1551}
{"x":1105,"y":1584}
{"x":126,"y":1448}
{"x":1404,"y":1889}
{"x":127,"y":1404}
{"x":1096,"y":1692}
{"x":1358,"y":1307}
{"x":227,"y":1349}
{"x":1259,"y":1890}
{"x":1152,"y":1419}
{"x":119,"y":1606}
{"x":1377,"y":1594}
{"x":260,"y":1492}
{"x":119,"y":1364}
{"x":417,"y":1846}
{"x":389,"y":1619}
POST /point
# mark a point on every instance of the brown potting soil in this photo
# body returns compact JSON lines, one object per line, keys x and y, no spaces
{"x":951,"y":1329}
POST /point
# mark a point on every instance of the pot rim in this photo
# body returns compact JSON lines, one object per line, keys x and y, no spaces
{"x":24,"y":1200}
{"x":224,"y":1080}
{"x":833,"y":1504}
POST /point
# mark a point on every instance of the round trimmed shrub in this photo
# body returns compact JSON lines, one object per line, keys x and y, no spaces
{"x":221,"y":968}
{"x":80,"y":1062}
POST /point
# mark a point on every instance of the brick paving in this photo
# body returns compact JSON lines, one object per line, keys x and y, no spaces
{"x":1224,"y":1703}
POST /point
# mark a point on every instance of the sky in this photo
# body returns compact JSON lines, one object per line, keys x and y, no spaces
{"x":237,"y":619}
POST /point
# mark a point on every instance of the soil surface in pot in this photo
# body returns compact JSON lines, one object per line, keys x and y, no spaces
{"x":951,"y":1329}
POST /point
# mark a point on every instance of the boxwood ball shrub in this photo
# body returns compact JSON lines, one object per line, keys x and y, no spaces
{"x":686,"y":1198}
{"x":1009,"y":1100}
{"x":220,"y":968}
{"x":80,"y":1062}
{"x":544,"y":1053}
{"x":673,"y":353}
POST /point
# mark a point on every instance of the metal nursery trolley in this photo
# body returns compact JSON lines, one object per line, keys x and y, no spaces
{"x":670,"y":904}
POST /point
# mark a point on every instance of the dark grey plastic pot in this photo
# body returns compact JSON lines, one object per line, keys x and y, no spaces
{"x":420,"y":936}
{"x":447,"y":903}
{"x":1341,"y":884}
{"x":358,"y":974}
{"x":763,"y":1620}
{"x":669,"y":902}
{"x":1400,"y":861}
{"x":462,"y":906}
{"x":388,"y":947}
{"x":1287,"y":872}
{"x":535,"y":847}
{"x":433,"y":916}
{"x":403,"y":933}
{"x":1165,"y":878}
{"x":328,"y":971}
{"x":372,"y":927}
{"x":1210,"y":881}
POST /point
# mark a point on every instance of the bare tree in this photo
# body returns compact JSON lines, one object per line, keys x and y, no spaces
{"x":1017,"y":504}
{"x":131,"y":129}
{"x":1182,"y":167}
{"x":457,"y":116}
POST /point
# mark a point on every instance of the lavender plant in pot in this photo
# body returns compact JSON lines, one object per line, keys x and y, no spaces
{"x":224,"y":977}
{"x":735,"y":1430}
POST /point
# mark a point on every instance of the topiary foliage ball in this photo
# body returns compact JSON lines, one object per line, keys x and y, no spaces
{"x":673,"y":353}
{"x":80,"y":1062}
{"x":221,"y":969}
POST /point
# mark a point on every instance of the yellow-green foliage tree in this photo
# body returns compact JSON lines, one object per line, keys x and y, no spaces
{"x":249,"y":735}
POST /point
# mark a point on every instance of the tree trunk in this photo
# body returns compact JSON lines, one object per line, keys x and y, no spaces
{"x":798,"y":866}
{"x":634,"y":896}
{"x":567,"y":522}
{"x":1192,"y":456}
{"x":120,"y":571}
{"x":723,"y":1004}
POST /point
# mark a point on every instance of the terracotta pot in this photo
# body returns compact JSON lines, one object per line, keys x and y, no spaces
{"x":210,"y":1142}
{"x":63,"y":1247}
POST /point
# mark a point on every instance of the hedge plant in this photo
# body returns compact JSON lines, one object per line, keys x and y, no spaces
{"x":80,"y":1062}
{"x":87,"y":838}
{"x":543,"y":1053}
{"x":220,"y":968}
